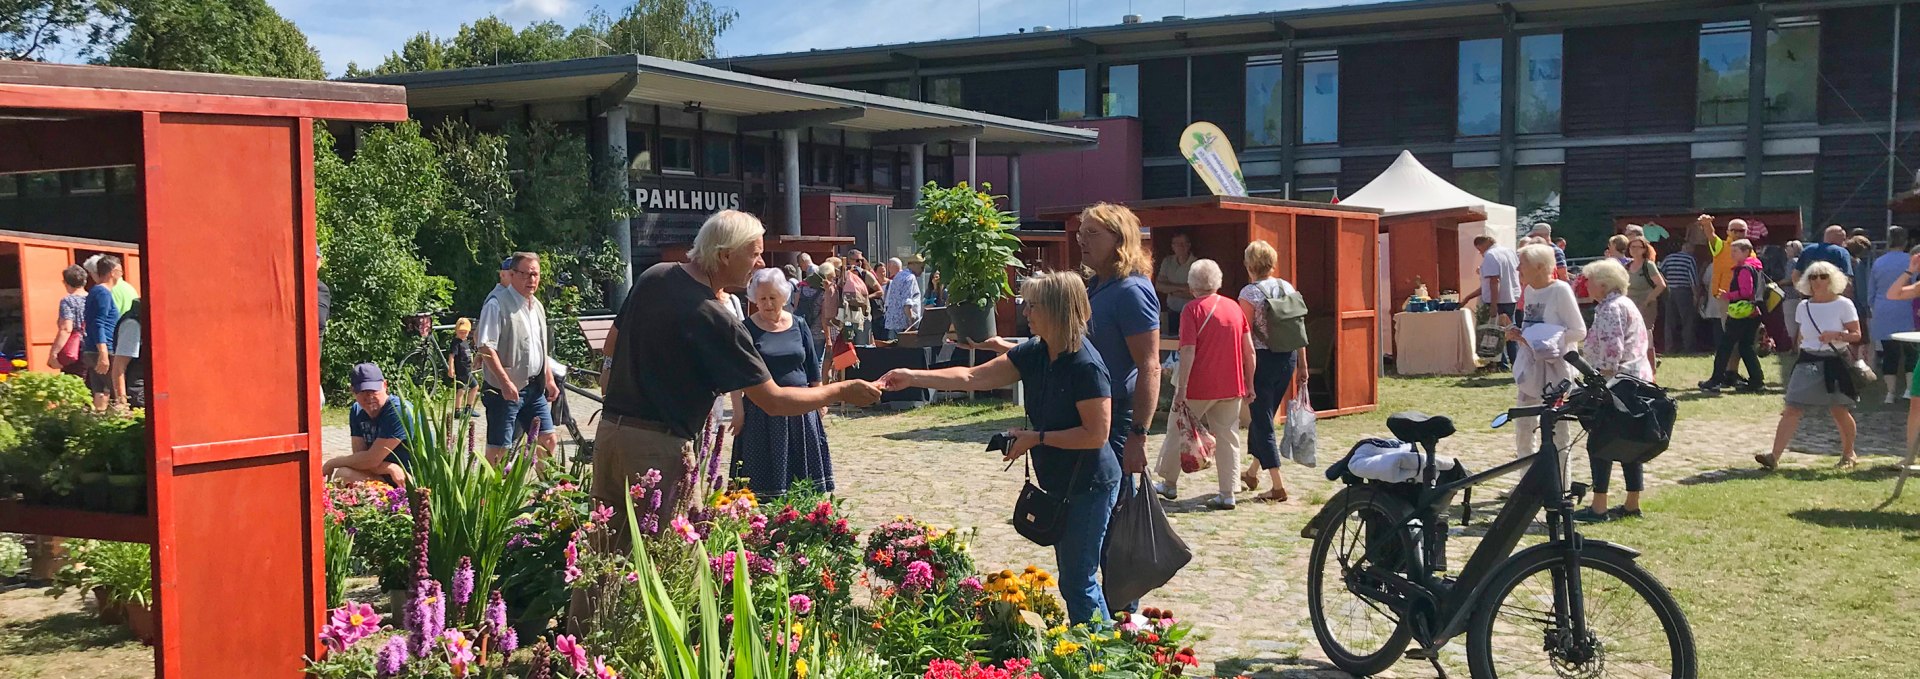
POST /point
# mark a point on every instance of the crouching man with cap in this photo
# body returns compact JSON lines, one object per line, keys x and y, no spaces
{"x":378,"y":422}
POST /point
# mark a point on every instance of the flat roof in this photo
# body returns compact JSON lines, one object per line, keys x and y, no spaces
{"x":40,"y":91}
{"x":1242,"y":27}
{"x":638,"y":78}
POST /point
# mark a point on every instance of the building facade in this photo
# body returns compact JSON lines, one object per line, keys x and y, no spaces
{"x":1595,"y":107}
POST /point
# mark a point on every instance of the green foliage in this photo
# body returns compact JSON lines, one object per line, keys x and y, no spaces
{"x":123,"y":569}
{"x":339,"y":558}
{"x":237,"y":37}
{"x":13,"y":556}
{"x":369,"y":212}
{"x":382,"y":527}
{"x":911,"y":631}
{"x":473,"y":503}
{"x":969,"y":240}
{"x":31,"y":29}
{"x":685,"y":30}
{"x":533,"y":588}
{"x":114,"y":443}
{"x":27,"y":397}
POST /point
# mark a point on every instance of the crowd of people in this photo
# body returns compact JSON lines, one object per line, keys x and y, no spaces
{"x":97,"y":336}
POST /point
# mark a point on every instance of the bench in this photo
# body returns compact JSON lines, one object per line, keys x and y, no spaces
{"x":596,"y":328}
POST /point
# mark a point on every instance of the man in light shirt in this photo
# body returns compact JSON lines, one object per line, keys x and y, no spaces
{"x":1499,"y":285}
{"x":512,"y":341}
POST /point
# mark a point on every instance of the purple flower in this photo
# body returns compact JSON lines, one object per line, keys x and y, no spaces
{"x":651,"y":478}
{"x":350,"y":623}
{"x":392,"y":657}
{"x":463,"y":581}
{"x":496,"y":610}
{"x":509,"y":640}
{"x":800,"y":603}
{"x":426,"y":616}
{"x":972,"y":583}
{"x":919,"y":576}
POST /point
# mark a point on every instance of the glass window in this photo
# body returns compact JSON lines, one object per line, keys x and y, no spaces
{"x":85,"y":182}
{"x":1320,"y":98}
{"x":1788,"y":182}
{"x":40,"y":185}
{"x":1316,"y":188}
{"x":639,"y":151}
{"x":1266,"y":122}
{"x":1725,"y":49}
{"x":1120,"y":94}
{"x":1480,"y":181}
{"x":1793,"y":70}
{"x":1478,"y":95}
{"x":885,"y":164}
{"x":122,"y":179}
{"x":944,"y":91}
{"x":1072,"y":94}
{"x":1719,"y":183}
{"x":822,"y":165}
{"x":899,"y":89}
{"x":1538,"y":111}
{"x":676,"y":153}
{"x":1271,"y":186}
{"x":719,"y":156}
{"x":854,"y":164}
{"x":1535,"y":187}
{"x":9,"y":188}
{"x":753,"y":161}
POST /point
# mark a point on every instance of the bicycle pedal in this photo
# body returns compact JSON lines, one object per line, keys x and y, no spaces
{"x":1423,"y":653}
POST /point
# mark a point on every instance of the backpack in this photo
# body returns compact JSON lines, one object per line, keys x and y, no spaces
{"x":1286,"y":317}
{"x":1766,"y":293}
{"x":806,"y":304}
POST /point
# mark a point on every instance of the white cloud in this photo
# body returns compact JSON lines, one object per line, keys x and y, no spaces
{"x":518,"y":11}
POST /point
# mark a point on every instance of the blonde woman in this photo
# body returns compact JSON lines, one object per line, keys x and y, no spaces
{"x":1272,"y":370}
{"x":1821,"y":378}
{"x":1125,"y":324}
{"x":1068,"y":399}
{"x":1213,"y":381}
{"x":1551,"y":315}
{"x":1617,"y":345}
{"x":1645,"y":284}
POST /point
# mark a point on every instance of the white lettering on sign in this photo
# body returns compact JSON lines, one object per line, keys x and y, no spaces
{"x":685,"y":200}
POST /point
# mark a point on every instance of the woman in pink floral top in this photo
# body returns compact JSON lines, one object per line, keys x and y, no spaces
{"x":1616,"y":344}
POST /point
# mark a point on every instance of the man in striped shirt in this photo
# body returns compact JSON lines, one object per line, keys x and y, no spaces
{"x":1680,"y":312}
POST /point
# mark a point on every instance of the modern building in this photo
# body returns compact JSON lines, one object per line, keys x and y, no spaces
{"x":1605,"y":107}
{"x":813,"y":161}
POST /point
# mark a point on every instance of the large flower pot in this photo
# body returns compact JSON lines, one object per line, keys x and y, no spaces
{"x":111,"y":612}
{"x":128,"y":493}
{"x":397,"y":600}
{"x":971,"y":323}
{"x":140,"y":622}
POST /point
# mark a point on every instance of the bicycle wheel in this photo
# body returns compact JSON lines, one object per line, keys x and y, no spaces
{"x":1359,"y":635}
{"x":1634,"y":627}
{"x":421,"y":370}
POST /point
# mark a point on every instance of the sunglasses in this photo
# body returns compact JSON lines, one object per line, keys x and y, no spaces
{"x":1817,"y":277}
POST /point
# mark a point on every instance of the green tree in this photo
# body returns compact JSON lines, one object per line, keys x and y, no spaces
{"x":29,"y":29}
{"x":674,"y":29}
{"x":238,"y":37}
{"x":369,"y":212}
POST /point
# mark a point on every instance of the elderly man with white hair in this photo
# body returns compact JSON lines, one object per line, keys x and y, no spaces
{"x":902,"y":298}
{"x":1544,"y":232}
{"x":1549,"y":326}
{"x":1214,"y":382}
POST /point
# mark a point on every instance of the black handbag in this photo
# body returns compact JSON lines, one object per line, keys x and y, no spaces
{"x":1041,"y":516}
{"x":1634,"y":424}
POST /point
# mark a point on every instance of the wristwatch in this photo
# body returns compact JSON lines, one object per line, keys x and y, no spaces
{"x":1137,"y":430}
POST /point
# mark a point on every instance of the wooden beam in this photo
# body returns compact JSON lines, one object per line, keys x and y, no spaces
{"x":793,"y":120}
{"x":86,"y":99}
{"x":50,"y":145}
{"x":613,"y":96}
{"x":926,"y":135}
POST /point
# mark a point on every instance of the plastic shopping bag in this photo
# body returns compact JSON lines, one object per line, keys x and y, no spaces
{"x":1143,"y":553}
{"x":1298,"y":440}
{"x":1196,"y":452}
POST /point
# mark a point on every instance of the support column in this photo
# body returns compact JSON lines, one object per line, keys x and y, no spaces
{"x":1757,"y":106}
{"x":1509,"y":111}
{"x":790,"y":151}
{"x":1013,"y":181}
{"x":917,"y":153}
{"x":1893,"y":115}
{"x":1289,"y":118}
{"x":620,"y":230}
{"x":973,"y":163}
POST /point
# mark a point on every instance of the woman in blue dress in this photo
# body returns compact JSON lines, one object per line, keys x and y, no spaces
{"x":773,"y":453}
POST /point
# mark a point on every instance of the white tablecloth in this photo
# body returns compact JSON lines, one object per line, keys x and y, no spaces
{"x":1434,"y":343}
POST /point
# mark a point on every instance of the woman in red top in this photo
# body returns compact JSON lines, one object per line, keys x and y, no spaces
{"x":1214,"y":381}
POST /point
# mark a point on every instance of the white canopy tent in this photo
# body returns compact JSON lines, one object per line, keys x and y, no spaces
{"x":1408,"y":188}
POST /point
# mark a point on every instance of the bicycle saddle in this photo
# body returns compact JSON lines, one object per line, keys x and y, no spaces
{"x":1419,"y":427}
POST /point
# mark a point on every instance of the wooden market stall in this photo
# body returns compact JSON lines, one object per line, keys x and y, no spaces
{"x":1328,"y":251}
{"x":1783,"y":224}
{"x":222,"y":171}
{"x":1425,"y":249}
{"x":31,"y":265}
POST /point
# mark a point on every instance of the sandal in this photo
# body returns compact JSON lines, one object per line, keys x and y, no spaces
{"x":1849,"y":462}
{"x":1250,"y":478}
{"x":1275,"y":495}
{"x":1766,"y":461}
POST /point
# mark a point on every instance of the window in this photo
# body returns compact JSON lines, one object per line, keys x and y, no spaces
{"x":885,"y":165}
{"x":1072,"y":94}
{"x":898,"y":89}
{"x":1120,"y":93}
{"x":676,"y":153}
{"x":1793,"y":70}
{"x":1483,"y":182}
{"x":719,"y":156}
{"x":1538,"y":110}
{"x":1725,"y":49}
{"x":854,"y":163}
{"x":822,"y":165}
{"x":753,"y":160}
{"x":1719,"y":183}
{"x":1266,"y":121}
{"x":944,"y":91}
{"x":1316,"y":188}
{"x":1535,"y":187}
{"x":1788,"y":182}
{"x":122,"y":179}
{"x":40,"y":185}
{"x":1269,"y":186}
{"x":1320,"y":97}
{"x":86,"y":182}
{"x":9,"y":188}
{"x":639,"y":151}
{"x":1478,"y":95}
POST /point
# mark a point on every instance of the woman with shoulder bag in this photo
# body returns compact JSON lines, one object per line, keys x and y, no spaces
{"x":1645,"y":286}
{"x":64,"y":354}
{"x":1617,"y":344}
{"x":1272,"y":368}
{"x":1216,"y":371}
{"x":1823,"y":376}
{"x":1068,"y":404}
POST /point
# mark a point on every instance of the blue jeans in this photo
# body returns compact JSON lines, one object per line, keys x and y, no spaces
{"x":1272,"y":374}
{"x":508,"y":419}
{"x":1078,"y":554}
{"x":1513,"y":348}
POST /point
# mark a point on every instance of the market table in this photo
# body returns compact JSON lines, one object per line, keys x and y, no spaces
{"x":1434,"y":343}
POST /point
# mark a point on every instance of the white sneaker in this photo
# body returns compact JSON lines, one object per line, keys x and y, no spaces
{"x":1221,"y":501}
{"x":1167,"y":491}
{"x":1889,"y":400}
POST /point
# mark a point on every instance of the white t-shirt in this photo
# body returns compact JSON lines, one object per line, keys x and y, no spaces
{"x":127,"y":342}
{"x":1817,"y":317}
{"x":486,"y":333}
{"x":1502,"y":263}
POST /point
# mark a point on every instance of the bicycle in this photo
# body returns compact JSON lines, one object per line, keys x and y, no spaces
{"x":427,"y":364}
{"x":1525,"y":614}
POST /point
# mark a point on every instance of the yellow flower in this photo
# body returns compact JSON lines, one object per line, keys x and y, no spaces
{"x":1096,"y":667}
{"x":1065,"y":648}
{"x":1057,"y":630}
{"x":799,"y":629}
{"x":800,"y":667}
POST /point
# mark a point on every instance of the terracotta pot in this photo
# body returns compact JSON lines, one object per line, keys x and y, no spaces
{"x":110,"y":612}
{"x":140,"y":622}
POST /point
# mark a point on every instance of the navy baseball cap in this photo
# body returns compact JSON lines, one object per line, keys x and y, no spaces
{"x":506,"y":264}
{"x":367,"y":376}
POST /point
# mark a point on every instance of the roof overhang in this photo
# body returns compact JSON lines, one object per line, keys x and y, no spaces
{"x":762,"y":103}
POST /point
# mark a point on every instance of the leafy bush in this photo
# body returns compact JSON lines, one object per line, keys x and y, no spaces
{"x":535,"y":589}
{"x":13,"y":556}
{"x":474,"y":502}
{"x":123,"y":569}
{"x":969,"y":240}
{"x":26,"y":398}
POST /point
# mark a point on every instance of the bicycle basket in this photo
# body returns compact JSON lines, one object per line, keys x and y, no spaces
{"x":1633,"y":424}
{"x":419,"y":324}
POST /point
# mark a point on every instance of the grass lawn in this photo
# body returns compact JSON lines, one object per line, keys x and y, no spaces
{"x":1791,"y":574}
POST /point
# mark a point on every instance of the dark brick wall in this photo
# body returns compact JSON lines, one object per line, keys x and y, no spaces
{"x":1630,"y":79}
{"x":1168,"y":181}
{"x":1356,"y":172}
{"x":1854,"y":46}
{"x":1398,"y":93}
{"x":1602,"y":182}
{"x":1163,"y":106}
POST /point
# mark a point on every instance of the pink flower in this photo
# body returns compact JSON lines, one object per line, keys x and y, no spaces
{"x":800,"y":603}
{"x":633,"y":577}
{"x":459,"y":648}
{"x":602,"y":514}
{"x":573,"y":553}
{"x":349,"y":623}
{"x":919,"y":576}
{"x":572,"y":573}
{"x":972,"y":583}
{"x":602,"y":671}
{"x":686,"y":529}
{"x":568,"y":648}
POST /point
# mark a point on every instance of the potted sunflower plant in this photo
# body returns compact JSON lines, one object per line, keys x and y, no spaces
{"x":970,"y":242}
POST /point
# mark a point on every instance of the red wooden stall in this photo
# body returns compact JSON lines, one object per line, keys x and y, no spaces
{"x":225,"y":226}
{"x":1425,"y":247}
{"x":32,"y":264}
{"x":1328,"y":251}
{"x":1782,"y":224}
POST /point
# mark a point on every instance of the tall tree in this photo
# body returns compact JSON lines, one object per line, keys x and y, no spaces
{"x":238,"y":37}
{"x":674,"y":29}
{"x":30,"y":29}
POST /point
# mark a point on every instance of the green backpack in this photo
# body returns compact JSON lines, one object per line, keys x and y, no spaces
{"x":1286,"y":317}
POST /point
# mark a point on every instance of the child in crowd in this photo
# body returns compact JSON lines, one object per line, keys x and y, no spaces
{"x":460,"y":369}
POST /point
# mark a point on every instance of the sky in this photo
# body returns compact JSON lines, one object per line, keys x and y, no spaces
{"x":364,"y":31}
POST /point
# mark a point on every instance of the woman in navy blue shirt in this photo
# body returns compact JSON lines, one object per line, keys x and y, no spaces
{"x":1068,"y":401}
{"x":773,"y":452}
